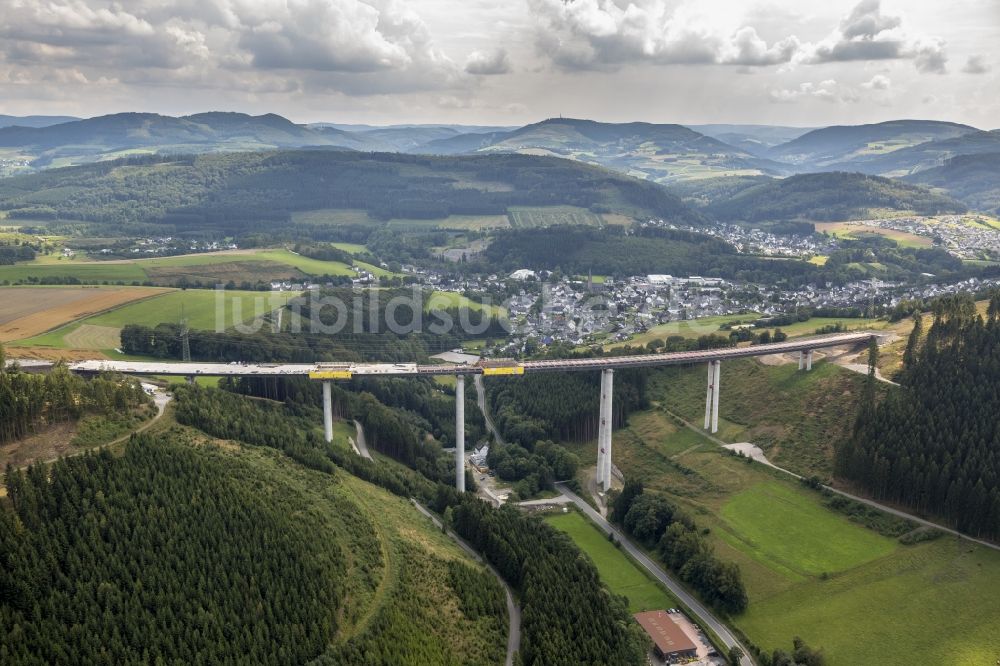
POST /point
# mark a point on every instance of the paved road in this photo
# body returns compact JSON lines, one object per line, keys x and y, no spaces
{"x":360,"y":441}
{"x":857,"y":498}
{"x":481,"y":401}
{"x":703,"y":614}
{"x":513,"y":611}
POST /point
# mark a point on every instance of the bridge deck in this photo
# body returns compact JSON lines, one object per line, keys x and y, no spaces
{"x":406,"y":369}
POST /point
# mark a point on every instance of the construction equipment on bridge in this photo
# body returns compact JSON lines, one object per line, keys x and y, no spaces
{"x":500,"y":366}
{"x":331,"y":371}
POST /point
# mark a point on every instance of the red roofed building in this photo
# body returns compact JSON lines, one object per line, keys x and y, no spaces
{"x":669,"y":639}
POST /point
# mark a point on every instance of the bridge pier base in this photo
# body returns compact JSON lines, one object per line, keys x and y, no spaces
{"x":604,"y":430}
{"x":802,"y":360}
{"x":460,"y":433}
{"x":809,"y":360}
{"x":327,"y":412}
{"x":712,"y":396}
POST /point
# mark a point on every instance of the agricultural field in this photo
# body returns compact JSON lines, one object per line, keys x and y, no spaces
{"x":851,"y":230}
{"x":688,"y":328}
{"x":339,"y":217}
{"x":443,"y":300}
{"x":334,"y":217}
{"x":30,"y":311}
{"x":452,"y":222}
{"x":210,"y":267}
{"x":203,"y":309}
{"x":810,"y":571}
{"x":547,"y":216}
{"x":86,"y":273}
{"x":619,"y":573}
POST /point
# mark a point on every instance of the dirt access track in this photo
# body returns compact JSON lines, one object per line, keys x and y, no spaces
{"x":30,"y":311}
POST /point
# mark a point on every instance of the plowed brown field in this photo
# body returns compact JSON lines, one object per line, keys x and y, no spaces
{"x":30,"y":311}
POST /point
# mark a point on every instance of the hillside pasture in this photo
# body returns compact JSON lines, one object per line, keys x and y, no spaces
{"x":849,"y":230}
{"x":524,"y":217}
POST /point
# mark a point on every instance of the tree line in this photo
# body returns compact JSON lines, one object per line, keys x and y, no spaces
{"x":933,"y":445}
{"x":658,"y":523}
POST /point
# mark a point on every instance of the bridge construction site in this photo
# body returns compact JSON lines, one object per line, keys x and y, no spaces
{"x":329,"y":372}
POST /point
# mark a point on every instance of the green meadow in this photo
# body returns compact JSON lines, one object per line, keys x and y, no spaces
{"x":203,"y":309}
{"x":809,"y":571}
{"x":619,"y":573}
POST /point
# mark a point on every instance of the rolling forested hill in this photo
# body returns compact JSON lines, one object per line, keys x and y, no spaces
{"x":240,"y":193}
{"x":972,"y":179}
{"x":931,"y":154}
{"x":659,"y":152}
{"x":829,"y":196}
{"x":846,"y":146}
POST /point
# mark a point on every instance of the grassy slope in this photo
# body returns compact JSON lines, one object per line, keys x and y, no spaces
{"x":617,"y":571}
{"x":796,"y":417}
{"x":811,"y":572}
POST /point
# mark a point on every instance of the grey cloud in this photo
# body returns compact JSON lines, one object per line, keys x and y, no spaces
{"x":488,"y":62}
{"x":878,"y":82}
{"x":865,"y":49}
{"x":238,"y":42}
{"x":601,"y":34}
{"x":826,"y":91}
{"x":976,"y":65}
{"x":868,"y":34}
{"x":747,"y":48}
{"x":929,"y":56}
{"x":866,"y":21}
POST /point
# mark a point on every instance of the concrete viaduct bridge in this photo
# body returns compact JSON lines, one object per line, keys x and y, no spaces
{"x":328,"y":372}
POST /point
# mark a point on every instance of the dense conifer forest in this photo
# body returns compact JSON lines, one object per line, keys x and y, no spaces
{"x":933,"y":444}
{"x":160,"y":556}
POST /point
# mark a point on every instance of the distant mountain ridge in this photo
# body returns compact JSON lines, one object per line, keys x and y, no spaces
{"x":658,"y":152}
{"x":842,"y":147}
{"x":666,"y":153}
{"x":755,"y":139}
{"x":34,"y":121}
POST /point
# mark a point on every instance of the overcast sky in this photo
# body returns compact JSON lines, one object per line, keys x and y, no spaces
{"x":796,"y":62}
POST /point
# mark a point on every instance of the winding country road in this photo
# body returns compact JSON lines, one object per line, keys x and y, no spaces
{"x":360,"y":442}
{"x":704,"y":615}
{"x":481,"y":401}
{"x":513,"y":610}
